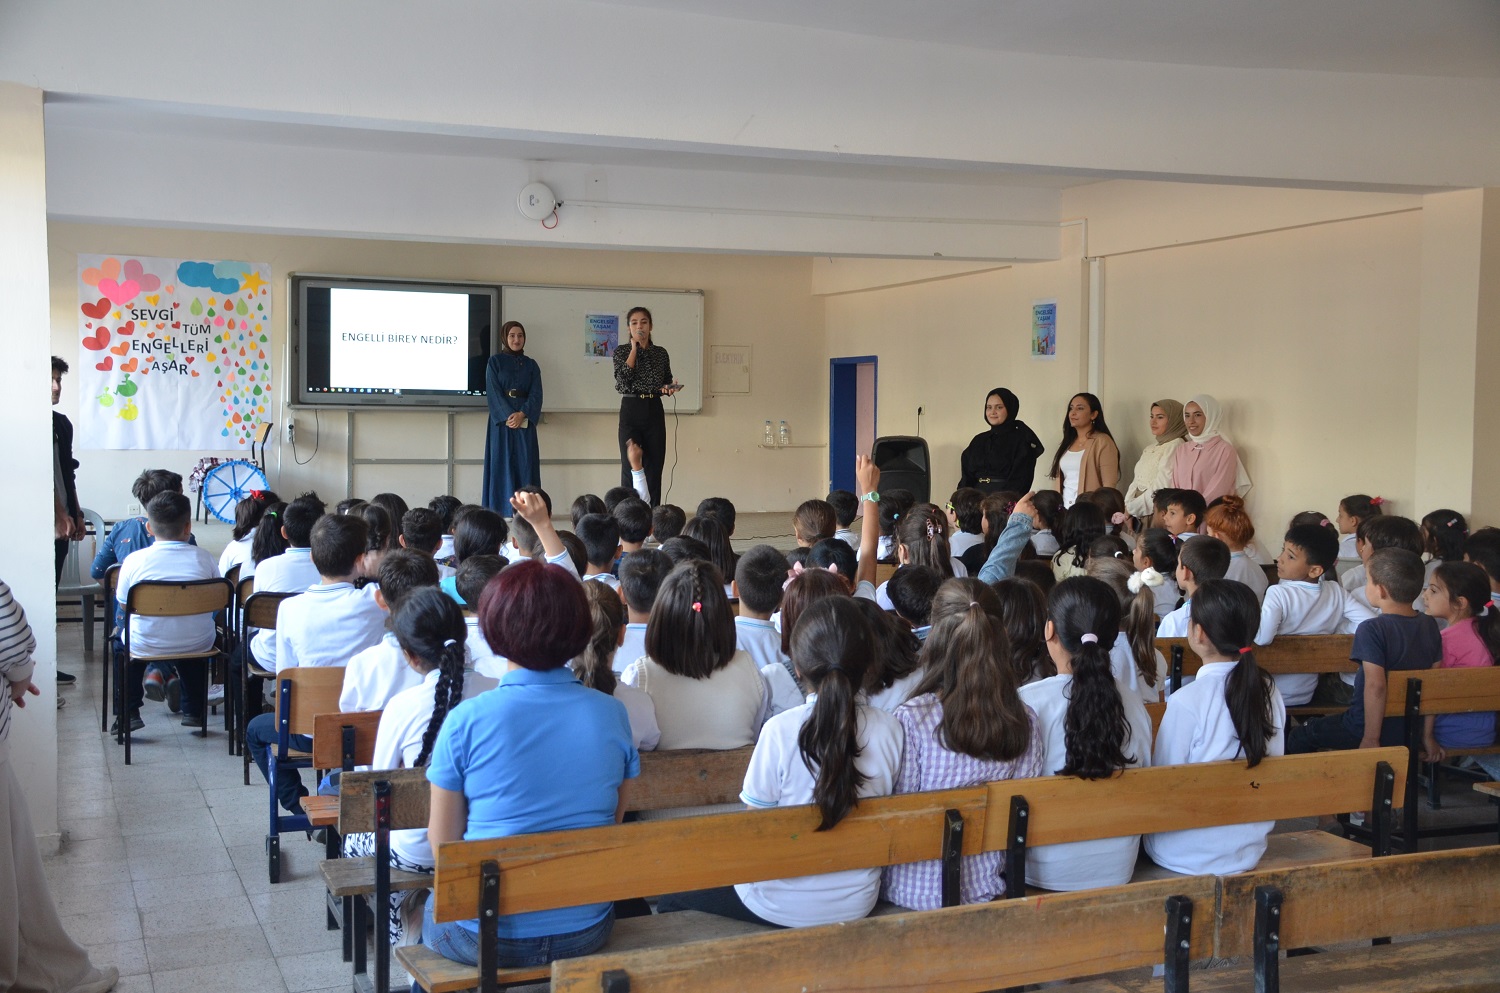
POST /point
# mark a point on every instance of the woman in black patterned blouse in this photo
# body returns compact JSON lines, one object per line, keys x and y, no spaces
{"x":643,"y":375}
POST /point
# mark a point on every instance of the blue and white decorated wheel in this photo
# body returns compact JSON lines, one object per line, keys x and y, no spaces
{"x":227,"y":483}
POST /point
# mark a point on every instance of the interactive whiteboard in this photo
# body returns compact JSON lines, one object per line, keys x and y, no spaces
{"x":571,"y":331}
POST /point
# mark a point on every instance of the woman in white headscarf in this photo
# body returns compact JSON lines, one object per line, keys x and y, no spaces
{"x":1208,"y":461}
{"x":1154,"y":470}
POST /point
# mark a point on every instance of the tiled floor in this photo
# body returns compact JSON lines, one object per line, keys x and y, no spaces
{"x":162,"y":871}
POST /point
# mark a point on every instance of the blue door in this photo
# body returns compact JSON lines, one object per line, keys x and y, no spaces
{"x":851,"y":416}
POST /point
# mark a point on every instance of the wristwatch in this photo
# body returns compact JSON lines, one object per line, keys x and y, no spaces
{"x":871,"y":496}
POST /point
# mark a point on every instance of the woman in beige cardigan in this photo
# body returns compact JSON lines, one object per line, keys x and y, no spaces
{"x":1087,"y":457}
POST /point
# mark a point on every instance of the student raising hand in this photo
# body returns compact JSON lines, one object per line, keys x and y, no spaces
{"x":532,"y":508}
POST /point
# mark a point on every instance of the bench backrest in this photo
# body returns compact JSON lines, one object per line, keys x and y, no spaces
{"x":1364,"y":898}
{"x":314,"y":690}
{"x":1444,"y":691}
{"x":409,"y":799}
{"x":330,"y":750}
{"x":979,"y":947}
{"x":542,"y":871}
{"x":591,"y":865}
{"x":690,"y":777}
{"x":1288,"y":654}
{"x":259,"y":609}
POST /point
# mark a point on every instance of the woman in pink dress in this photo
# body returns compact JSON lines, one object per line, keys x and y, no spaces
{"x":1208,"y":462}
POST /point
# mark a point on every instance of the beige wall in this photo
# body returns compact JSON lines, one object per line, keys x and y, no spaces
{"x":943,"y":344}
{"x":1307,"y":334}
{"x":761,"y":301}
{"x":1307,"y":337}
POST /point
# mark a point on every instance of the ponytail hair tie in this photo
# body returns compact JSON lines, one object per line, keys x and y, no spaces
{"x":1325,"y":522}
{"x":975,"y":603}
{"x":931,"y":531}
{"x":1146,"y":577}
{"x":833,"y":567}
{"x":697,"y":607}
{"x":1089,"y":638}
{"x":1377,"y":501}
{"x":1117,"y":519}
{"x":1247,"y":649}
{"x":450,"y":642}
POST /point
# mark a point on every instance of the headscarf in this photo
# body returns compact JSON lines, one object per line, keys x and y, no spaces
{"x":1212,"y":415}
{"x":1175,"y":427}
{"x":1012,"y":407}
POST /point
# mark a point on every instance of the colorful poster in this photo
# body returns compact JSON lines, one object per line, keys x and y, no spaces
{"x":1044,"y":329}
{"x":173,"y":353}
{"x":601,"y":332}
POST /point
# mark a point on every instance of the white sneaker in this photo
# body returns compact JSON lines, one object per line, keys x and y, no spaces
{"x":215,"y":694}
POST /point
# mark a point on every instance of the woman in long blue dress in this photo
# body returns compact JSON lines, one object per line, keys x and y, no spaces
{"x":513,"y":382}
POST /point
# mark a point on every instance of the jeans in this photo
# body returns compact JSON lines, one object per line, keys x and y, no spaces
{"x":454,"y":941}
{"x":1326,"y":733}
{"x":193,"y":675}
{"x":260,"y":734}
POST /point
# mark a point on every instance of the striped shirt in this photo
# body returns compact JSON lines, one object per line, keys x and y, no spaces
{"x":16,"y":665}
{"x":653,"y":370}
{"x":926,"y":764}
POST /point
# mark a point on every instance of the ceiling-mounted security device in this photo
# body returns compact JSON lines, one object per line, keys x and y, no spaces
{"x":536,"y":201}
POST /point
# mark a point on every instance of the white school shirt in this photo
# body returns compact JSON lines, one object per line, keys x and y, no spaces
{"x":898,"y":692}
{"x":778,"y":777}
{"x":374,"y":676}
{"x":1082,"y":865}
{"x":848,"y":537}
{"x":885,"y":548}
{"x":481,"y":655}
{"x":1243,"y":570}
{"x":781,"y":689}
{"x":1044,"y":543}
{"x":328,"y":625}
{"x":1297,"y":607}
{"x":1122,"y":664}
{"x":445,"y":550}
{"x":632,"y":648}
{"x":606,"y":578}
{"x":290,"y":572}
{"x":1347,"y":548}
{"x":398,"y":744}
{"x":642,"y":714}
{"x":1197,"y":728}
{"x":761,"y":640}
{"x":1175,"y":624}
{"x":237,"y":553}
{"x":174,"y":561}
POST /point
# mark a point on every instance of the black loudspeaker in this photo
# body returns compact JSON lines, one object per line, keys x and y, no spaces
{"x":904,"y":464}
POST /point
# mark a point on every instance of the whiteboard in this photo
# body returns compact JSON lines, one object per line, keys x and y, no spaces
{"x":557,"y":319}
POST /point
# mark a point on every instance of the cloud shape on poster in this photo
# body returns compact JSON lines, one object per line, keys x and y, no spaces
{"x":232,"y":270}
{"x":203,"y":274}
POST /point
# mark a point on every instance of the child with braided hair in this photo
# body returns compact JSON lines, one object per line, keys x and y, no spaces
{"x":595,"y":667}
{"x":430,"y":629}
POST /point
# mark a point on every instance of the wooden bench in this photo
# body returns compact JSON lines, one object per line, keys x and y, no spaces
{"x":568,"y":868}
{"x":1250,"y":916}
{"x":1432,"y":692}
{"x":1288,"y":655}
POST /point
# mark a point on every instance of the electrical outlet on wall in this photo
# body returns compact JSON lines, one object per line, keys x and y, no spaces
{"x":133,"y":509}
{"x":291,"y":430}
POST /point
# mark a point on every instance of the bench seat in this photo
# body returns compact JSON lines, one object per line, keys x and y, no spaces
{"x":437,"y":974}
{"x":322,"y":811}
{"x":351,"y":877}
{"x":1285,"y":850}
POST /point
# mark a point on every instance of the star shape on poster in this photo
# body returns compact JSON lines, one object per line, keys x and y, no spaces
{"x":252,"y":282}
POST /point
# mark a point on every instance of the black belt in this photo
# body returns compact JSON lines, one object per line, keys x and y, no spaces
{"x":517,"y":394}
{"x":645,"y":396}
{"x":986,"y":479}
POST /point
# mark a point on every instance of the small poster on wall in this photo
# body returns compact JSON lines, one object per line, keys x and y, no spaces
{"x":173,"y":353}
{"x":1044,"y":329}
{"x":600,"y":334}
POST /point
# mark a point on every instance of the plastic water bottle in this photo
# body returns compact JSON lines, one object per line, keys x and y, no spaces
{"x":770,"y":441}
{"x":785,"y":436}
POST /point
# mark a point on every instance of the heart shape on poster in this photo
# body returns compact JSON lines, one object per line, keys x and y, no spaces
{"x":135,"y":271}
{"x":106,"y":365}
{"x":108,"y":269}
{"x":153,"y":299}
{"x":97,"y":341}
{"x":121,"y":348}
{"x":127,"y":328}
{"x":129,"y":366}
{"x":95,"y":310}
{"x":160,"y":325}
{"x":120,"y":293}
{"x":189,"y":359}
{"x":195,"y":373}
{"x":176,"y":324}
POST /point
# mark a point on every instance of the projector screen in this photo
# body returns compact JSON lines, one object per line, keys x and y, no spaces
{"x":389,"y":343}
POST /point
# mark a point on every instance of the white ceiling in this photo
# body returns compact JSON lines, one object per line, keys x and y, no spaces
{"x":1453,"y":38}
